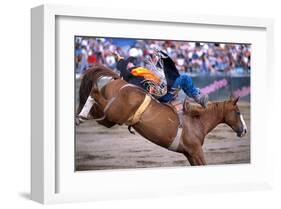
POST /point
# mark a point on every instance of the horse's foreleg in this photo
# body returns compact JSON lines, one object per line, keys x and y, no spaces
{"x":190,"y":159}
{"x":195,"y":155}
{"x":198,"y":157}
{"x":199,"y":160}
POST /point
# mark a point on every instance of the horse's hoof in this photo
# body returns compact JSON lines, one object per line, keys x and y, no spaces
{"x":129,"y":128}
{"x":77,"y":121}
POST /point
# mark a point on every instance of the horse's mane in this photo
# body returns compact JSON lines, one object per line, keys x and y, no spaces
{"x":195,"y":109}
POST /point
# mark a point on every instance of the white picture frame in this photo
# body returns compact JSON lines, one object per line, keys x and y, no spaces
{"x":52,"y":179}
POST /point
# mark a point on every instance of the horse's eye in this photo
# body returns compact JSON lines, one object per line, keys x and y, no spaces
{"x":238,"y":113}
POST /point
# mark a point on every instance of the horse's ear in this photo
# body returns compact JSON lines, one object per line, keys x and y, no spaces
{"x":235,"y":100}
{"x":232,"y":97}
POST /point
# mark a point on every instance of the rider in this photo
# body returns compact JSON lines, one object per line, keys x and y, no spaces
{"x":173,"y":79}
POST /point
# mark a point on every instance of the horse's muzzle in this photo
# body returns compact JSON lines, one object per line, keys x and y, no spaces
{"x":242,"y":132}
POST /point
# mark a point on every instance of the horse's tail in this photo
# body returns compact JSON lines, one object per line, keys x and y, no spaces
{"x":89,"y":77}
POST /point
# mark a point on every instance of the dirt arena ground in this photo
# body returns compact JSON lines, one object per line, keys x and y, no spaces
{"x":99,"y":148}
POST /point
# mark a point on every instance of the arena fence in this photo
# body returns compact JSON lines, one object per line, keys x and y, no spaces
{"x":218,"y":87}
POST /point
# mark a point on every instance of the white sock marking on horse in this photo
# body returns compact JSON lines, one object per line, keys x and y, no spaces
{"x":243,"y":122}
{"x":175,"y":144}
{"x":87,"y":107}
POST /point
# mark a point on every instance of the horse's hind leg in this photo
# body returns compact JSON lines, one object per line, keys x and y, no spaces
{"x":90,"y":108}
{"x":117,"y":110}
{"x":89,"y":104}
{"x":113,"y":108}
{"x":84,"y":114}
{"x":87,"y":107}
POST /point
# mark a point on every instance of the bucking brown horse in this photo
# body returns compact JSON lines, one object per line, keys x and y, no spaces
{"x":108,"y":99}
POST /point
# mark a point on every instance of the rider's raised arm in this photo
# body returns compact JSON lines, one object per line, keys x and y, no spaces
{"x":124,"y":65}
{"x":167,"y":61}
{"x":170,"y":70}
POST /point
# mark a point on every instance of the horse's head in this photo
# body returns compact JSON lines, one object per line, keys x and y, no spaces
{"x":233,"y":117}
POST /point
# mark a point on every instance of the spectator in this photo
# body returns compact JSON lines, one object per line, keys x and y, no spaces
{"x":192,"y":57}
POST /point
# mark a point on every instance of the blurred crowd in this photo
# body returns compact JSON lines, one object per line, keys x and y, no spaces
{"x":191,"y":57}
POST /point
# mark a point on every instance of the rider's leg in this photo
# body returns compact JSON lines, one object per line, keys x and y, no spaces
{"x":186,"y":84}
{"x":167,"y":97}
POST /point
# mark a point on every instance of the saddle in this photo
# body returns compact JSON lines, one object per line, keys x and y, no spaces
{"x":177,"y":105}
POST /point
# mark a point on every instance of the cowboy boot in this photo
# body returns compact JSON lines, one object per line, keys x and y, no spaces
{"x":160,"y":53}
{"x":202,"y":99}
